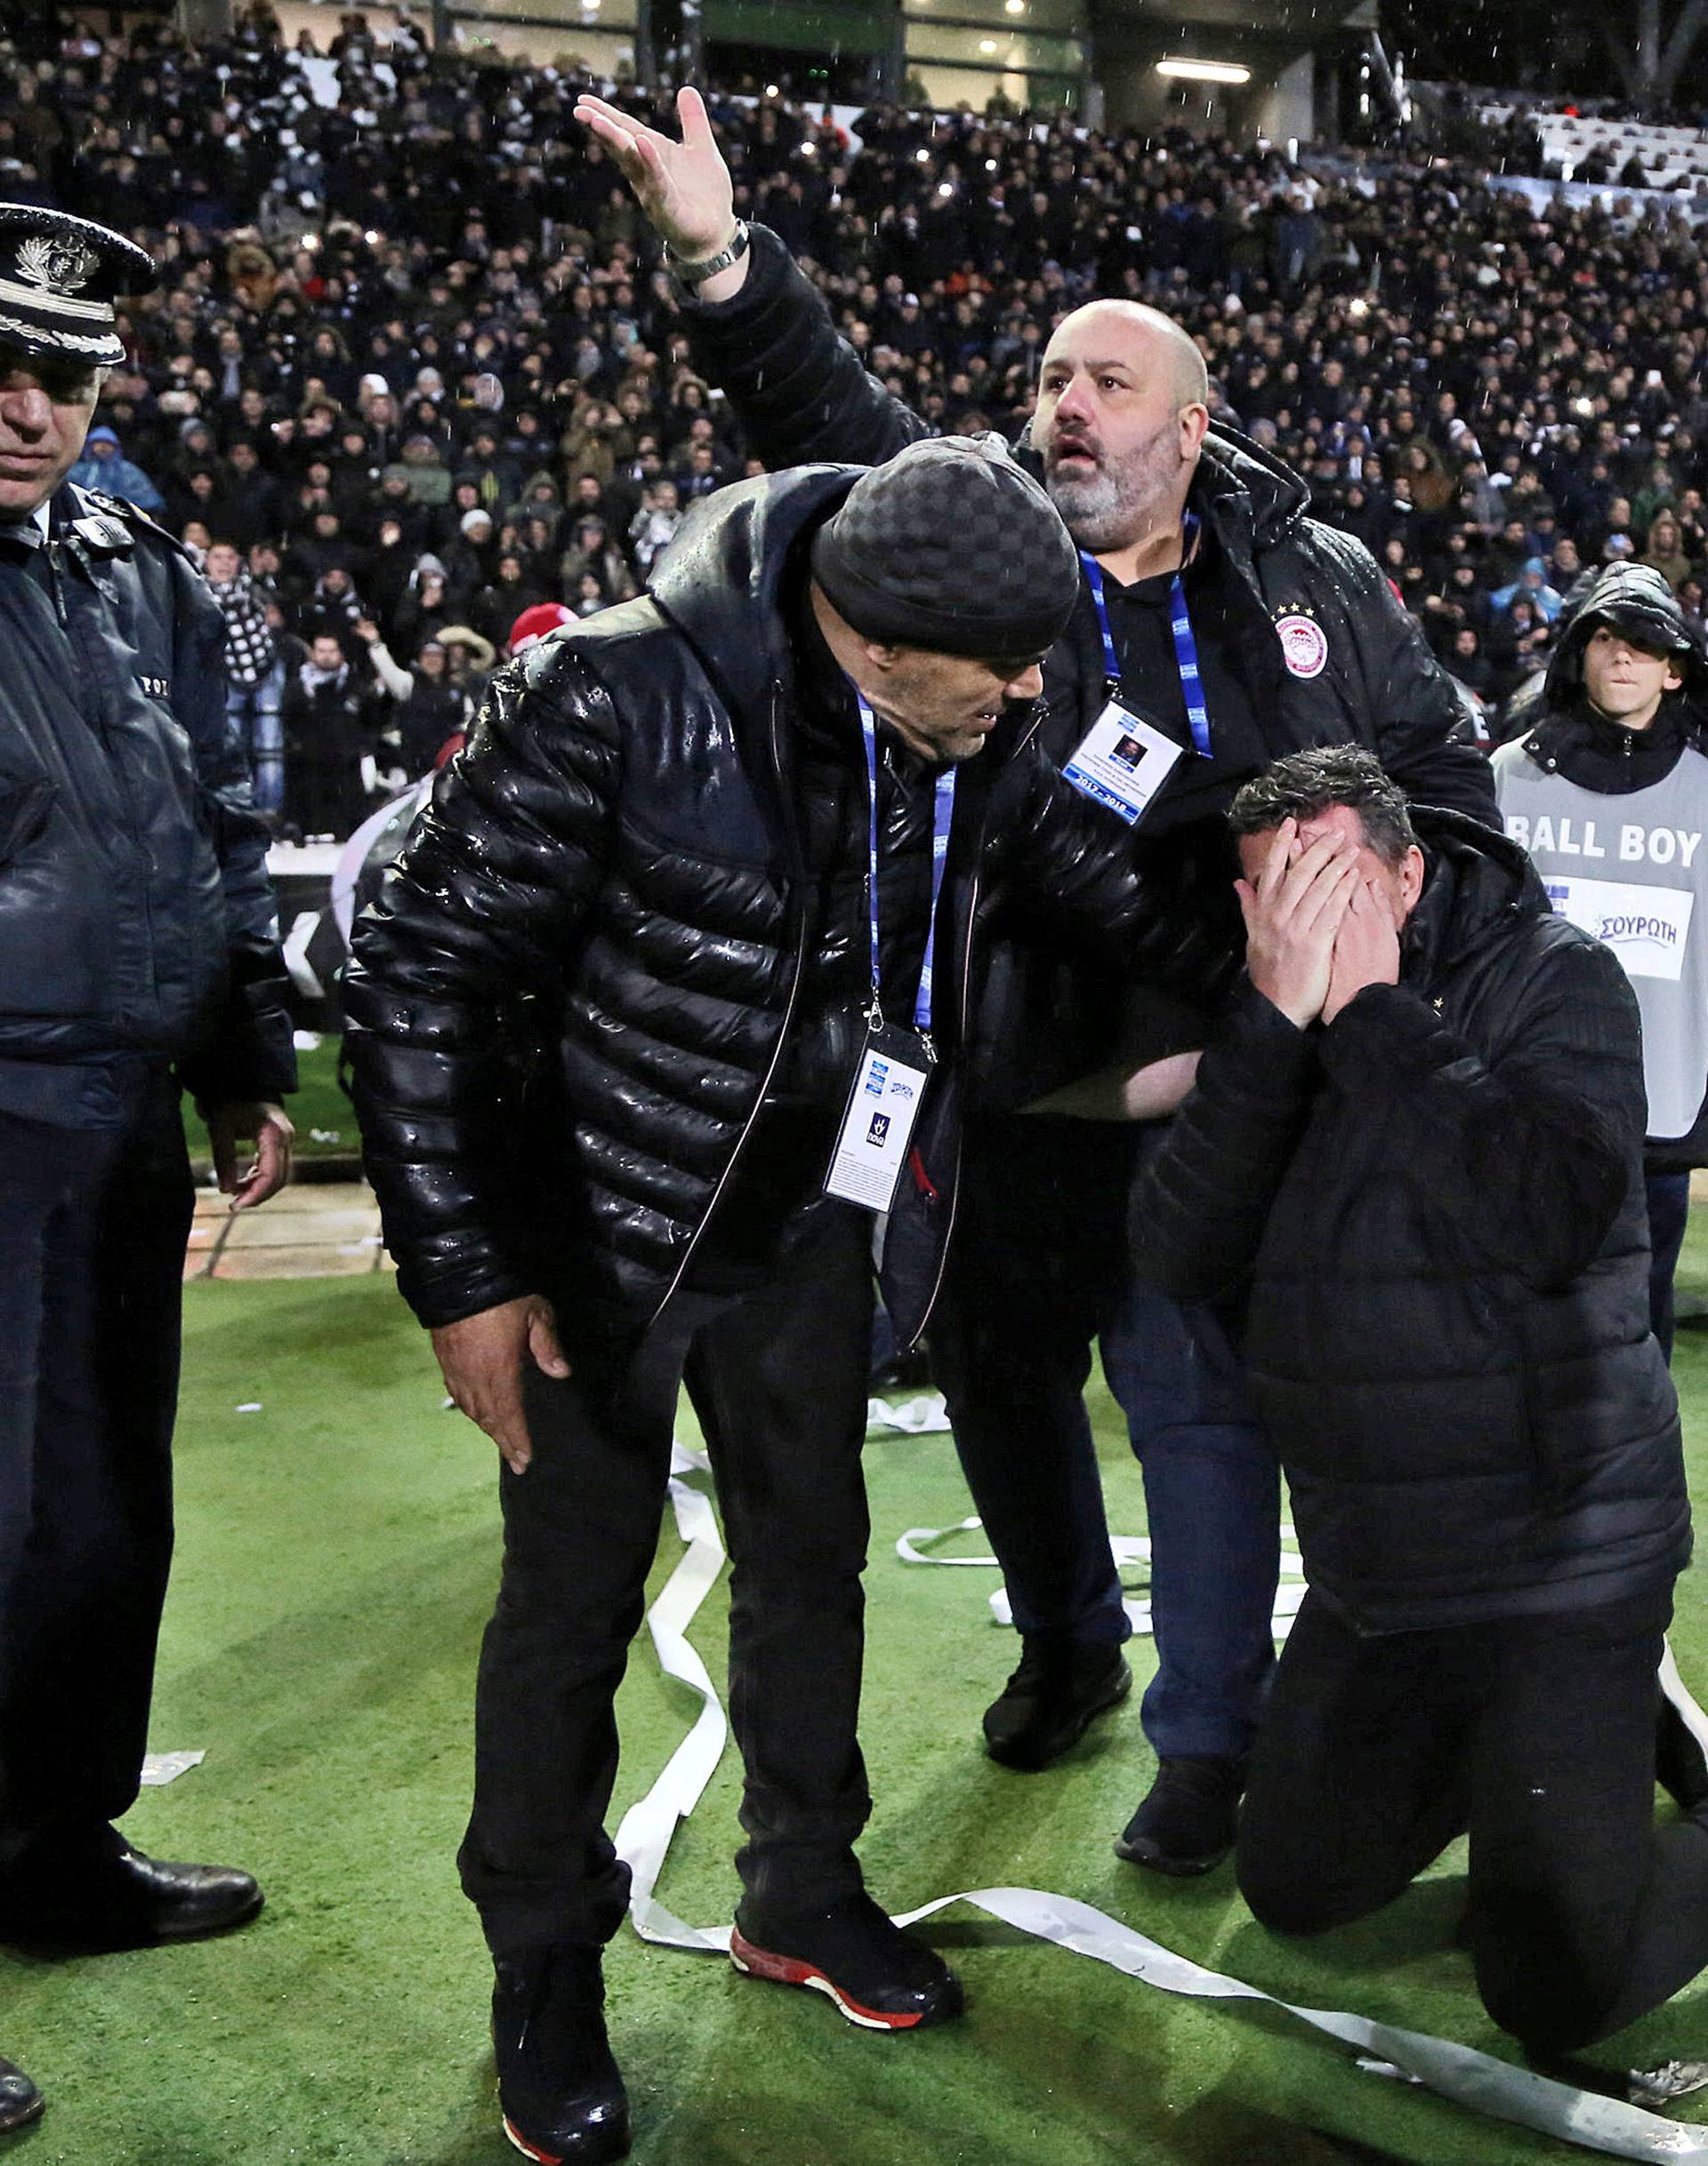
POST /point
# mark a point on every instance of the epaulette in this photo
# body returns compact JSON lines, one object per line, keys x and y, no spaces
{"x":106,"y":507}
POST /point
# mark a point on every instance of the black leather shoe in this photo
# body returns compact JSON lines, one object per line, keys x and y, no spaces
{"x":109,"y":1896}
{"x":1050,"y":1701}
{"x":879,"y":1976}
{"x":1187,"y":1822}
{"x":559,"y":2089}
{"x":20,"y":2100}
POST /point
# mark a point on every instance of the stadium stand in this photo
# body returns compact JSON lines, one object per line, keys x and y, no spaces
{"x":414,"y":362}
{"x":1596,"y":148}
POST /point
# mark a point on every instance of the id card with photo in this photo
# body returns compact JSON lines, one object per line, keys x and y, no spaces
{"x":872,"y":1144}
{"x":1122,"y":761}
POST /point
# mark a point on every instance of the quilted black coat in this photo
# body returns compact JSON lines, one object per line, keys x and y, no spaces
{"x":1437,"y":1203}
{"x":578,"y":985}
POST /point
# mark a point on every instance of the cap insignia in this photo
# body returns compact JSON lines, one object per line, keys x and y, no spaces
{"x":56,"y":266}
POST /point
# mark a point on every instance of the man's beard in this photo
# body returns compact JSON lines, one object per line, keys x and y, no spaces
{"x":1113,"y":508}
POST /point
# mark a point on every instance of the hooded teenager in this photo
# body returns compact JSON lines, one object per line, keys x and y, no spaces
{"x":1608,"y":791}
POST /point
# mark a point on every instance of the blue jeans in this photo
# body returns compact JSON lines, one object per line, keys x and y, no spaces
{"x":253,"y":711}
{"x":1669,"y":1209}
{"x":1037,"y":1273}
{"x":1213,"y":1499}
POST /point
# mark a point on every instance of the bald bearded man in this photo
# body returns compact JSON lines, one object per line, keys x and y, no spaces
{"x":1218,"y":628}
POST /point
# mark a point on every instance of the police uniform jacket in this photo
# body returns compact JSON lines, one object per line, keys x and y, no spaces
{"x":136,"y":918}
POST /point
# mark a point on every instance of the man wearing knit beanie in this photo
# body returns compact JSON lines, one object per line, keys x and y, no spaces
{"x":1237,"y":628}
{"x":948,"y":556}
{"x":739,"y":826}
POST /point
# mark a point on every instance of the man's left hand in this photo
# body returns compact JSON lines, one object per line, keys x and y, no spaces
{"x":269,"y":1129}
{"x":1367,"y":949}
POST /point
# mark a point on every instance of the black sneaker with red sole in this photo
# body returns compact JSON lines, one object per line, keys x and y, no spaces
{"x":856,"y":1955}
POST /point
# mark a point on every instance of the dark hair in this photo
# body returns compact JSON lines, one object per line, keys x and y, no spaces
{"x":1304,"y":785}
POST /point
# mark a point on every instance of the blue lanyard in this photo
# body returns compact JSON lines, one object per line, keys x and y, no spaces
{"x":1186,"y":647}
{"x":942,"y":814}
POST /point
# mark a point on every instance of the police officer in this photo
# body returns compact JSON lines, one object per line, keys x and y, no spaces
{"x":138,"y":958}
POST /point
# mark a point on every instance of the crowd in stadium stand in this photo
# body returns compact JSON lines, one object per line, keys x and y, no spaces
{"x":413,"y":371}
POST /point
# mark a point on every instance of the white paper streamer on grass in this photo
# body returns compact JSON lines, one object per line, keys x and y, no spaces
{"x":647,"y":1825}
{"x":1458,"y":2072}
{"x":1672,"y":2080}
{"x":924,"y":1415}
{"x":913,"y":1549}
{"x":159,"y":1769}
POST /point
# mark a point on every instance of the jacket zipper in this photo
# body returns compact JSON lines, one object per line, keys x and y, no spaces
{"x":927,"y":1190}
{"x":771,"y":1067}
{"x":146,"y":1012}
{"x":55,"y":579}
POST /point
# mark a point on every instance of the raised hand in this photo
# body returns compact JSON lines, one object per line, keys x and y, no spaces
{"x":683,"y":188}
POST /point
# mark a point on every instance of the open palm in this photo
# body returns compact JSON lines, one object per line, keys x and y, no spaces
{"x":683,"y":188}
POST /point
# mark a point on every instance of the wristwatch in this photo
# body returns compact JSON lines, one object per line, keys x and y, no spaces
{"x":692,"y":275}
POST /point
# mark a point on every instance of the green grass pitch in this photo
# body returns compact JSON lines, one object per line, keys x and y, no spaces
{"x":337,"y":1554}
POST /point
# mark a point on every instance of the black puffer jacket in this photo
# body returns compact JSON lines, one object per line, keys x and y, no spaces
{"x":1438,"y":1202}
{"x":136,"y":918}
{"x":801,"y":392}
{"x":624,"y":842}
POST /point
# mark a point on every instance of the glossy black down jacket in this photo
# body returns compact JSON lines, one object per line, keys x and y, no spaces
{"x":613,"y":870}
{"x":1439,"y":1201}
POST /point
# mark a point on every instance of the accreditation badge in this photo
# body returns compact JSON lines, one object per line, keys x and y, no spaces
{"x":872,"y":1143}
{"x":1122,"y":761}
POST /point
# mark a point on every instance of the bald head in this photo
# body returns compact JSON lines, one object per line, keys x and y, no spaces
{"x":1154,"y":342}
{"x":1122,"y":407}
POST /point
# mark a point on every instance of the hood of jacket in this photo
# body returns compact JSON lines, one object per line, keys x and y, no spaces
{"x":1635,"y":599}
{"x":1570,"y":737}
{"x":1247,"y":487}
{"x":1475,"y":880}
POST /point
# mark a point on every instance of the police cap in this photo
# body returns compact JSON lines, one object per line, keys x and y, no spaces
{"x":60,"y":278}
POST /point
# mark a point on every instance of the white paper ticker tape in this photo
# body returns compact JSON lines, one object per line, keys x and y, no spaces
{"x":924,"y":1415}
{"x":1126,"y":1549}
{"x":1457,"y":2072}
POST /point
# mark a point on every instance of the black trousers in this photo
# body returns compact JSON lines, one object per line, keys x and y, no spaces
{"x":1537,"y":1736}
{"x":92,"y":1230}
{"x":778,"y":1376}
